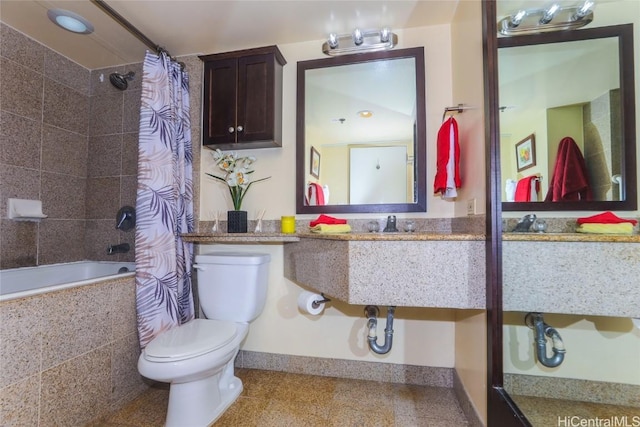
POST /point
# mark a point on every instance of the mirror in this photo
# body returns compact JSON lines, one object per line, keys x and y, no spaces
{"x":577,"y":84}
{"x":361,"y":141}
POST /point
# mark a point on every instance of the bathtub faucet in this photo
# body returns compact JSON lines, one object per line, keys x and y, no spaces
{"x":118,"y":249}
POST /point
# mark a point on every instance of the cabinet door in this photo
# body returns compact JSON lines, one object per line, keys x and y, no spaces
{"x":256,"y":74}
{"x":219,"y":109}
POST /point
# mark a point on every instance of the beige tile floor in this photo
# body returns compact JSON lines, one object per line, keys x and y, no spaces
{"x":282,"y":399}
{"x":545,"y":412}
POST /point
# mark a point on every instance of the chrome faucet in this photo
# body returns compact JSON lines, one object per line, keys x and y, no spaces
{"x":122,"y":248}
{"x":391,"y":225}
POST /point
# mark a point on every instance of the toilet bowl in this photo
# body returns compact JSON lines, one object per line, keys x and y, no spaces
{"x":197,"y":358}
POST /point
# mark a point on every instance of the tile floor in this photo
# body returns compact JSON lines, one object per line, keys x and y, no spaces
{"x":273,"y":398}
{"x":545,"y":412}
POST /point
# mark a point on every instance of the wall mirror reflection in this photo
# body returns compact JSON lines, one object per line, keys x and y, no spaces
{"x":572,"y":93}
{"x":361,"y":133}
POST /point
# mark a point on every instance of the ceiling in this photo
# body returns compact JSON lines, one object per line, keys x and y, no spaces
{"x":186,"y":27}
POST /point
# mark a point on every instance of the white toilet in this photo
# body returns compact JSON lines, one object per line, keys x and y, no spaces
{"x":197,"y":358}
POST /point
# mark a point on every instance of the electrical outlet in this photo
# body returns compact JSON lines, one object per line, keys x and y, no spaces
{"x":471,"y":207}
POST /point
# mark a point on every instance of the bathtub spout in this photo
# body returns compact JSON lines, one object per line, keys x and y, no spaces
{"x":122,"y":248}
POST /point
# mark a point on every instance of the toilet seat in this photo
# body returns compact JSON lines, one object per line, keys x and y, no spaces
{"x":195,"y":338}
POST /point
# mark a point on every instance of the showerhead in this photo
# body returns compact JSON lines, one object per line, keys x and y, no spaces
{"x":120,"y":81}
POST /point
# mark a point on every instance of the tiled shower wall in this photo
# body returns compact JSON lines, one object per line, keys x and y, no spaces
{"x":68,"y":139}
{"x":603,"y":144}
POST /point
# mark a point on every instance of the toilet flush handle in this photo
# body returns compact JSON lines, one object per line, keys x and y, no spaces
{"x":199,"y":267}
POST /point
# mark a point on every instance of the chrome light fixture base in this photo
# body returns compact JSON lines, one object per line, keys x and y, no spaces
{"x":367,"y":41}
{"x":540,"y":21}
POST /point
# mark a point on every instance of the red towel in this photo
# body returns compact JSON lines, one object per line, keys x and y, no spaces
{"x":570,"y":180}
{"x":447,"y":139}
{"x":326,"y":219}
{"x":524,"y":187}
{"x":315,"y":194}
{"x":604,"y":218}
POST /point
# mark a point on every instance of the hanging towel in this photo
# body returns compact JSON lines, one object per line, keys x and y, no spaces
{"x":315,"y":194}
{"x":570,"y":179}
{"x":326,"y":219}
{"x":527,"y":188}
{"x":447,"y":178}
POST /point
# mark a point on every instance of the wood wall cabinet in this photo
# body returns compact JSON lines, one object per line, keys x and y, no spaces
{"x":243,"y":99}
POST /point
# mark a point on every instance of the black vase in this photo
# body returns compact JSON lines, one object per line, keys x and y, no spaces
{"x":236,"y":221}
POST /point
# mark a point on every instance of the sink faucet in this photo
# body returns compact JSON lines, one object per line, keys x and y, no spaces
{"x":118,"y":249}
{"x":525,"y":223}
{"x":391,"y":225}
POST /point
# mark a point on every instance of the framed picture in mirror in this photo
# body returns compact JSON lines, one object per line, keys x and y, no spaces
{"x":314,"y":165}
{"x":526,"y":153}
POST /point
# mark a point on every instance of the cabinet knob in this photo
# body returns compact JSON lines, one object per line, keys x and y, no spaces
{"x":240,"y":128}
{"x":231,"y":129}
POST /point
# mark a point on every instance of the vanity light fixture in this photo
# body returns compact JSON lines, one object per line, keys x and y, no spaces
{"x":359,"y":41}
{"x":553,"y":18}
{"x":549,"y":13}
{"x":70,"y":21}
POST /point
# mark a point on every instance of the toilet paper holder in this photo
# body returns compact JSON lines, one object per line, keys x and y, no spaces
{"x":316,"y":303}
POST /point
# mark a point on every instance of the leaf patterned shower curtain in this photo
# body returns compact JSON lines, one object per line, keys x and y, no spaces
{"x":164,"y":201}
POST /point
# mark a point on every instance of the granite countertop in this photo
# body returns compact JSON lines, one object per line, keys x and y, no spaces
{"x":571,"y":237}
{"x":240,"y":237}
{"x":285,"y":238}
{"x":393,"y":236}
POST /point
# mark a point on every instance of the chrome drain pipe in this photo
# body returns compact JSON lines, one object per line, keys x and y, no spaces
{"x":543,"y":331}
{"x":371,"y":313}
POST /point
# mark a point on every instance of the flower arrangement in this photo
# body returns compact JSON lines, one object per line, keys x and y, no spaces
{"x":237,"y":174}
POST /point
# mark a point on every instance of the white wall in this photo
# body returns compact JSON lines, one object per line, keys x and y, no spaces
{"x":277,"y":195}
{"x":422,"y":337}
{"x":468,"y":89}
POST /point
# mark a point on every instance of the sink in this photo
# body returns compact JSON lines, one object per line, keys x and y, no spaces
{"x":417,"y":272}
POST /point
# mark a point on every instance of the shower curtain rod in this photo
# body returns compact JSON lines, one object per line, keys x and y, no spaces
{"x":131,"y":28}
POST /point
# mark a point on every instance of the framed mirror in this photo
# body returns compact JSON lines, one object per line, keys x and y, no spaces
{"x":361,"y":133}
{"x":567,"y":120}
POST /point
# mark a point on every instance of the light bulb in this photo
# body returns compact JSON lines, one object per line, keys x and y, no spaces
{"x":384,"y":35}
{"x":357,"y":37}
{"x":583,"y":10}
{"x":517,"y":18}
{"x":550,"y":13}
{"x":333,"y":40}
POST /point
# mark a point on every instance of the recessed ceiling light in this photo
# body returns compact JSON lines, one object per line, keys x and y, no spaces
{"x":70,"y":21}
{"x":365,"y":114}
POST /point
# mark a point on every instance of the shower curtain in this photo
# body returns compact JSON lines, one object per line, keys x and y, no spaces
{"x":164,"y":202}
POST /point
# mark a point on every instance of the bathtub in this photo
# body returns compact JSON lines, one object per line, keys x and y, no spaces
{"x":28,"y":281}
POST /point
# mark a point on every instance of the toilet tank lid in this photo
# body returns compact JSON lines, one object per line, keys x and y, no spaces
{"x":233,"y":258}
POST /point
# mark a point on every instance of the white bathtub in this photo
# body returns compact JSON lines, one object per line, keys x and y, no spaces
{"x":27,"y":281}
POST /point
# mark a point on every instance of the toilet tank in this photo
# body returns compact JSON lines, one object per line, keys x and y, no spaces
{"x":232,"y":285}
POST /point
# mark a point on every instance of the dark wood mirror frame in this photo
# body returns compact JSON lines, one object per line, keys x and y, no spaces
{"x":501,"y":410}
{"x":420,"y":133}
{"x":624,"y":33}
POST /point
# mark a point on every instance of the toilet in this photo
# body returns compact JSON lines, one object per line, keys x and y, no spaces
{"x":197,"y":358}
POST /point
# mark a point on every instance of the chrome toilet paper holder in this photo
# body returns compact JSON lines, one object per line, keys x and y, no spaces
{"x":316,"y":303}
